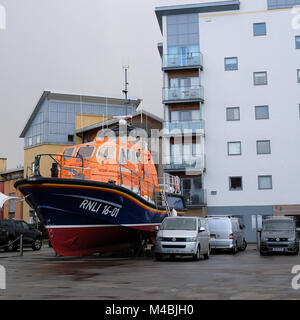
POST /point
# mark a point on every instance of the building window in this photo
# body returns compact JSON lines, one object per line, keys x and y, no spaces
{"x":184,"y":115}
{"x":298,"y":75}
{"x":234,"y":148}
{"x":260,"y":78}
{"x":235,"y":183}
{"x":38,"y":139}
{"x":70,"y":138}
{"x":12,"y":206}
{"x":259,"y":29}
{"x":297,"y":42}
{"x":30,"y":141}
{"x":185,"y":82}
{"x":264,"y":182}
{"x":233,"y":114}
{"x":231,"y":64}
{"x":261,"y":112}
{"x":263,"y":147}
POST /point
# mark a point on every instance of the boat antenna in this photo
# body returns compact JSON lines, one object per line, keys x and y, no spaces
{"x":125,"y":91}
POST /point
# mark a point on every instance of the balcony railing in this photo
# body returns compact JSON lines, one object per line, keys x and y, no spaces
{"x":193,"y":126}
{"x":189,"y":60}
{"x":184,"y":163}
{"x":195,"y":197}
{"x":181,"y":94}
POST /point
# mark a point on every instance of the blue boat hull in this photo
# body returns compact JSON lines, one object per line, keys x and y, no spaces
{"x":85,"y":217}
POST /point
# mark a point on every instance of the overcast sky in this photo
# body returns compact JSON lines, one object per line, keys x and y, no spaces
{"x":75,"y":45}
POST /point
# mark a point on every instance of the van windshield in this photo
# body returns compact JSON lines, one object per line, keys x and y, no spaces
{"x":179,"y":224}
{"x":217,"y":225}
{"x":278,"y":225}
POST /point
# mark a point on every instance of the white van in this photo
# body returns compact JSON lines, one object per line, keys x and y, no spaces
{"x":226,"y":232}
{"x":183,"y":236}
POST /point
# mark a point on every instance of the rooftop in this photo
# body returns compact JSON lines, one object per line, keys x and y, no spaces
{"x":196,"y":8}
{"x":116,"y":120}
{"x":75,"y":97}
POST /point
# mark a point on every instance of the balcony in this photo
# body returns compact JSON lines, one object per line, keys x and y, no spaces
{"x":195,"y":198}
{"x":182,"y":61}
{"x":183,"y":127}
{"x":190,"y":164}
{"x":183,"y":94}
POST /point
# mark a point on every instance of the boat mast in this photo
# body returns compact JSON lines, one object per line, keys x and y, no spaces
{"x":125,"y":91}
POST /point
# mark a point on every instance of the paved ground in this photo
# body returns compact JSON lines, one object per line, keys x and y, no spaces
{"x":246,"y":275}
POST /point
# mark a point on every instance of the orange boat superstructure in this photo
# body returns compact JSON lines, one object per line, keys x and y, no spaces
{"x":108,"y":160}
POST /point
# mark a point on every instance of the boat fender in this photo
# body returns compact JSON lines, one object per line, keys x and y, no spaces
{"x":174,"y":213}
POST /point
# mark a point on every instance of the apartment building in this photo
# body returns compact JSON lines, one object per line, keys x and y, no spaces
{"x":231,"y":85}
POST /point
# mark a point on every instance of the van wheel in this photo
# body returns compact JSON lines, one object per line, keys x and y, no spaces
{"x":207,"y":255}
{"x":196,"y":257}
{"x":158,"y":256}
{"x":234,"y":249}
{"x":244,"y":246}
{"x":37,"y":245}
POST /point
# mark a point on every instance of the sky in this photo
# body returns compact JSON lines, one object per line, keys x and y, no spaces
{"x":77,"y":46}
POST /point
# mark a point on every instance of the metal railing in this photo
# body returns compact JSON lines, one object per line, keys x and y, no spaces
{"x":192,"y":59}
{"x":183,"y":162}
{"x":192,"y":93}
{"x":195,"y":126}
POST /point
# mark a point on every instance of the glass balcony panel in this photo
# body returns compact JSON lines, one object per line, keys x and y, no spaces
{"x":196,"y":126}
{"x":195,"y":197}
{"x":183,"y":94}
{"x":184,"y":162}
{"x":192,"y":59}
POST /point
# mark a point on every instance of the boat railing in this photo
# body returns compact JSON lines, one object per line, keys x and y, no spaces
{"x":170,"y":183}
{"x":123,"y":176}
{"x":58,"y":166}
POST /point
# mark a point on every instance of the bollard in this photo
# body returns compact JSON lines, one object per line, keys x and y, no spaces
{"x":21,"y":245}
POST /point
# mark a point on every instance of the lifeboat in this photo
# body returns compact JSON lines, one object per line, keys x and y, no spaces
{"x":102,"y":196}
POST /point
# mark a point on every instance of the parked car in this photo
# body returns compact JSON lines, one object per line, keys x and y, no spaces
{"x":279,"y":234}
{"x":3,"y":236}
{"x":226,"y":233}
{"x":183,"y":236}
{"x":14,"y":228}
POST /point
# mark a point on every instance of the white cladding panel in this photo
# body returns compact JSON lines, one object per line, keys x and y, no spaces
{"x":231,"y":35}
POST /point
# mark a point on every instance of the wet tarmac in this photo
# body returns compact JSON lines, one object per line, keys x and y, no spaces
{"x":246,"y":275}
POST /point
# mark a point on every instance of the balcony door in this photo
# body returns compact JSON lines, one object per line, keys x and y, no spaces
{"x":192,"y":191}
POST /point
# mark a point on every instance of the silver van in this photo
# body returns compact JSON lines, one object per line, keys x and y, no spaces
{"x":183,"y":236}
{"x":279,"y":234}
{"x":226,"y":232}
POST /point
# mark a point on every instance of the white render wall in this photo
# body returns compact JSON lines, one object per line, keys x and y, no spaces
{"x":231,"y":35}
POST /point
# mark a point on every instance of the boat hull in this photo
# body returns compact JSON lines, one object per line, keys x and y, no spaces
{"x":84,"y":217}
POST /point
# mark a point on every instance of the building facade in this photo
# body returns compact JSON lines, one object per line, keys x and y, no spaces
{"x":12,"y":209}
{"x":55,"y":119}
{"x":235,"y":66}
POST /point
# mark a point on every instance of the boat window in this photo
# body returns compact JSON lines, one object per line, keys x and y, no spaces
{"x":123,"y":156}
{"x":85,"y":152}
{"x":68,"y":153}
{"x":106,"y":153}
